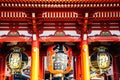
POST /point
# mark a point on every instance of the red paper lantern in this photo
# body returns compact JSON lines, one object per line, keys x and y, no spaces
{"x":59,"y":59}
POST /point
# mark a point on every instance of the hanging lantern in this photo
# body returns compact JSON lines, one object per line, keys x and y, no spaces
{"x":59,"y":59}
{"x":101,"y":59}
{"x":17,"y":60}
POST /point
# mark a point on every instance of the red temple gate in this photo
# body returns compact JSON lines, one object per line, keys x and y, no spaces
{"x":83,"y":23}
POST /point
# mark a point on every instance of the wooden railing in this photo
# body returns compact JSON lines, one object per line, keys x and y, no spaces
{"x":60,"y":15}
{"x":10,"y":14}
{"x":106,"y":14}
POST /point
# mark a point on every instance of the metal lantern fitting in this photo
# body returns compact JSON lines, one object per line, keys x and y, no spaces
{"x":59,"y":59}
{"x":101,"y":59}
{"x":17,"y":60}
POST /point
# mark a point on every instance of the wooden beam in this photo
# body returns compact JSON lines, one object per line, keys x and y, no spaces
{"x":15,"y":39}
{"x":59,"y":39}
{"x":104,"y":39}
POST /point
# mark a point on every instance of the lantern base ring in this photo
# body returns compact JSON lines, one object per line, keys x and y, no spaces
{"x":58,"y":75}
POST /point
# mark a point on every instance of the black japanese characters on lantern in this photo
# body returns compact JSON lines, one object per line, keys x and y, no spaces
{"x":59,"y":58}
{"x":17,"y":60}
{"x":101,"y":58}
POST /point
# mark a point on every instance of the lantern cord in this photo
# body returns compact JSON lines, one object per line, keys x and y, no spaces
{"x":50,"y":76}
{"x":62,"y":77}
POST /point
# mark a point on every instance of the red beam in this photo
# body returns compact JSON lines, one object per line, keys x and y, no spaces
{"x":21,"y":25}
{"x":95,"y":20}
{"x":59,"y":39}
{"x":23,"y":29}
{"x":105,"y":19}
{"x":58,"y":19}
{"x":104,"y":39}
{"x":15,"y":19}
{"x":49,"y":29}
{"x":15,"y":39}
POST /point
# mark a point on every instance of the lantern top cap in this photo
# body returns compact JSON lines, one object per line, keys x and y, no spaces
{"x":17,"y":49}
{"x":100,"y":49}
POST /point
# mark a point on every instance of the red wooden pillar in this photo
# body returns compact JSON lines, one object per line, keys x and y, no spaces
{"x":85,"y":59}
{"x":41,"y":67}
{"x":74,"y":67}
{"x":2,"y":65}
{"x":84,"y":51}
{"x":35,"y":58}
{"x":35,"y":52}
{"x":115,"y":68}
{"x":78,"y":68}
{"x":2,"y":73}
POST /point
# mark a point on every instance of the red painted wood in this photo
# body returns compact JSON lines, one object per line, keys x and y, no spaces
{"x":104,"y":39}
{"x":78,"y":68}
{"x":59,"y":39}
{"x":41,"y":67}
{"x":3,"y":68}
{"x":95,"y":18}
{"x":15,"y":39}
{"x":116,"y":75}
{"x":61,"y":1}
{"x":35,"y":60}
